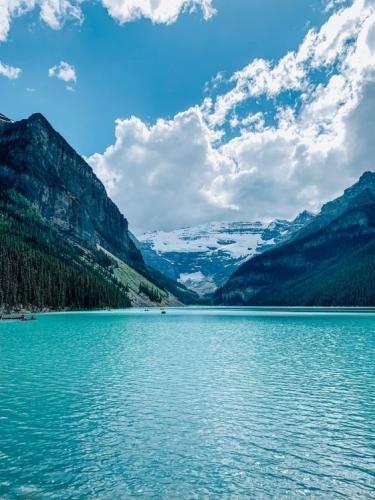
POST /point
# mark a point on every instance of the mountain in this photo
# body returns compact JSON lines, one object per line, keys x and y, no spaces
{"x":64,"y":242}
{"x":203,"y":257}
{"x":328,"y":262}
{"x":40,"y":164}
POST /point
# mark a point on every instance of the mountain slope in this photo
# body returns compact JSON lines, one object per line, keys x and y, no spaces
{"x":328,"y":262}
{"x":40,"y":270}
{"x":38,"y":163}
{"x":60,"y":233}
{"x":203,"y":257}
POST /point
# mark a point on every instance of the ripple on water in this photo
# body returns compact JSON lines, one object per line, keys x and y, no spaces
{"x":190,"y":405}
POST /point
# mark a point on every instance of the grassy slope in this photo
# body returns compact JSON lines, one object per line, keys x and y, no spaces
{"x":132,"y":279}
{"x":183,"y":294}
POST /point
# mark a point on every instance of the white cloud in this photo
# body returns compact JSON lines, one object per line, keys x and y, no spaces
{"x":159,"y":174}
{"x":9,"y":71}
{"x":55,"y":12}
{"x":319,"y":49}
{"x":185,"y":171}
{"x":10,"y":9}
{"x":260,"y":77}
{"x":65,"y":72}
{"x":161,"y":11}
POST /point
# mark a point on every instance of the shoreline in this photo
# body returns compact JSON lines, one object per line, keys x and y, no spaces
{"x":255,"y":309}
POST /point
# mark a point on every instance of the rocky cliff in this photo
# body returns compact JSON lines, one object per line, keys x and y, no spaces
{"x":37,"y":162}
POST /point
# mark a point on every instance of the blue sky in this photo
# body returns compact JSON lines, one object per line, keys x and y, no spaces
{"x":140,"y":68}
{"x":258,"y":112}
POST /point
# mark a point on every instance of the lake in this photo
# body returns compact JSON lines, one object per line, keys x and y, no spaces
{"x":197,"y":403}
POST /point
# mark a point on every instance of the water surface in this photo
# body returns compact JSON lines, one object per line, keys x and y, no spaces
{"x":198,"y":403}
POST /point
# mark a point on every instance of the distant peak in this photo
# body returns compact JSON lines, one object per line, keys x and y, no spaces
{"x":303,"y":217}
{"x":38,"y":117}
{"x":365,"y":182}
{"x":39,"y":121}
{"x":367,"y":176}
{"x":35,"y":117}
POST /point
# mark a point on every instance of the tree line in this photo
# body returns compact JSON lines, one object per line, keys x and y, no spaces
{"x":39,"y":269}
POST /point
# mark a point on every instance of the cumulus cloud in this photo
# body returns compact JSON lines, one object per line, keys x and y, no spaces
{"x":185,"y":170}
{"x":162,"y":11}
{"x":162,"y":173}
{"x":55,"y":12}
{"x":320,"y":49}
{"x":65,"y":72}
{"x":9,"y":71}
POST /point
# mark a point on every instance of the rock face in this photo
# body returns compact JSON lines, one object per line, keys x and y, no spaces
{"x":329,"y":261}
{"x":203,"y":257}
{"x":4,"y":118}
{"x":37,"y":162}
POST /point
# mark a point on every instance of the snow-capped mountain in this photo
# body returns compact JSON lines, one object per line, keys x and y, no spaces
{"x":203,"y":257}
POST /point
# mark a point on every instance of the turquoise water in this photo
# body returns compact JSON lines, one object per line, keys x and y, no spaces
{"x":198,"y":403}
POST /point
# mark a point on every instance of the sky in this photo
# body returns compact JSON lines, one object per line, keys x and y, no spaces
{"x":192,"y":111}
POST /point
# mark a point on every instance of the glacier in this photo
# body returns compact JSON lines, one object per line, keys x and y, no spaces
{"x":203,"y":257}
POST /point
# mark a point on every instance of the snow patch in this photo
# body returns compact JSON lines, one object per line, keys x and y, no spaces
{"x":188,"y":277}
{"x":237,"y":239}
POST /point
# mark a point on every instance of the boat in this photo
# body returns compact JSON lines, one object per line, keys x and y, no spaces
{"x":21,"y":317}
{"x":164,"y":312}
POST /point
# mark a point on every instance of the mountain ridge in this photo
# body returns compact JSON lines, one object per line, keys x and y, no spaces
{"x":203,"y":257}
{"x":305,"y":269}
